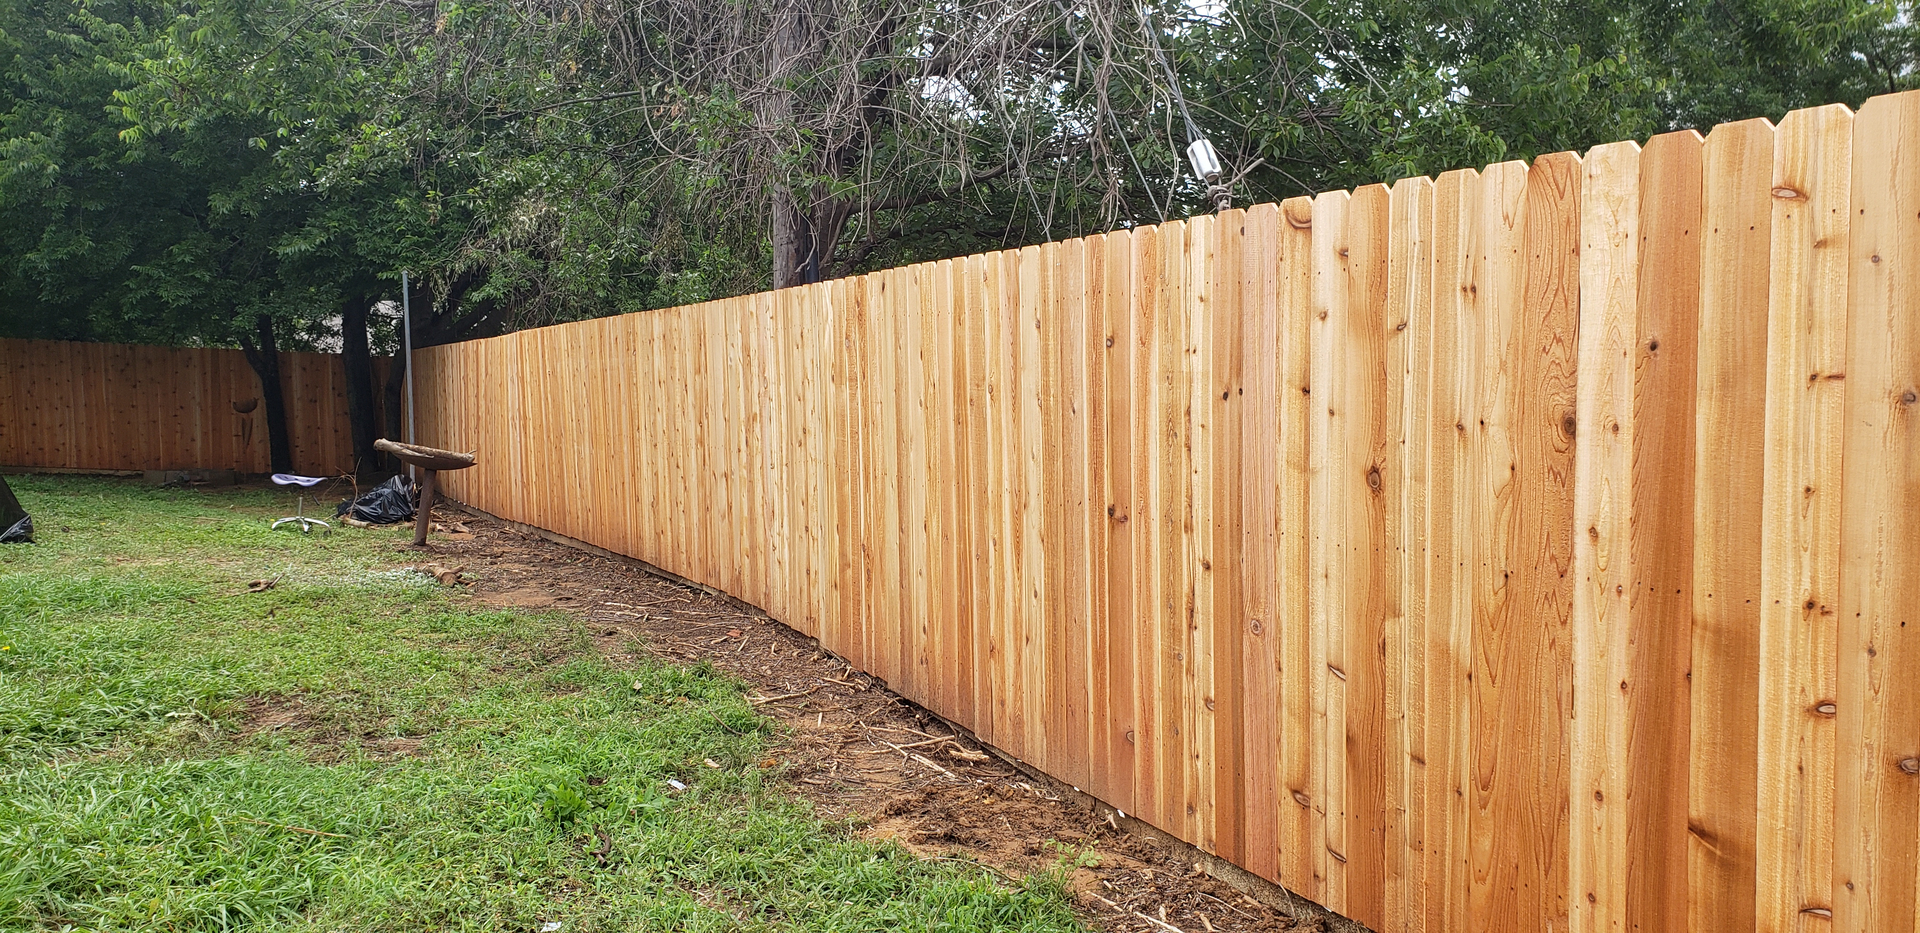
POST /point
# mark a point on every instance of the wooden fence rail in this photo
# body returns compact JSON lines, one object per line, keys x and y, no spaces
{"x":99,"y":406}
{"x":1526,"y":549}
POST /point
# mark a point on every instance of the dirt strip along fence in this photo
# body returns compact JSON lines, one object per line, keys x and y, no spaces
{"x":1528,"y":549}
{"x":102,"y":406}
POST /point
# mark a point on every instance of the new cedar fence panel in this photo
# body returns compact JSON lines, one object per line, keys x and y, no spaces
{"x":1877,"y":804}
{"x":96,"y":406}
{"x":1523,"y":549}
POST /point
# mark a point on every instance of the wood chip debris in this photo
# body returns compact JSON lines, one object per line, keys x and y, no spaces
{"x":447,"y":576}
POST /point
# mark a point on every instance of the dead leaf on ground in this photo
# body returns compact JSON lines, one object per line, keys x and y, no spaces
{"x":261,"y":586}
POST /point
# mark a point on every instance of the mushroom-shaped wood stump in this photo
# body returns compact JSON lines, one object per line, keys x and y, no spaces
{"x":431,"y":462}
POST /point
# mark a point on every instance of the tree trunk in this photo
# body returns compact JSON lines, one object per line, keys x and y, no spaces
{"x":793,"y":262}
{"x":791,"y":234}
{"x":263,"y":354}
{"x":829,"y":220}
{"x":358,"y":357}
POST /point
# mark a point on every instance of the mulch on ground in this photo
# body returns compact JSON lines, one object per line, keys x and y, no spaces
{"x":854,"y":748}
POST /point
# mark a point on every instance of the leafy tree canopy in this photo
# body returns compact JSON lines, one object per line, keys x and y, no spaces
{"x":175,"y":171}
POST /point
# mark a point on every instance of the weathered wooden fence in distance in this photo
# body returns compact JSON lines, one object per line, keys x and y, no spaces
{"x":101,"y":406}
{"x":1528,"y":549}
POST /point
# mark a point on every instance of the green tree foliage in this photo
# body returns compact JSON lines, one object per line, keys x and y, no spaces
{"x":111,"y":235}
{"x":187,"y":171}
{"x":1335,"y":94}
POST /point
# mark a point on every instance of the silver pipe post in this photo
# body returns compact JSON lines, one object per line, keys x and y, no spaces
{"x":406,"y":339}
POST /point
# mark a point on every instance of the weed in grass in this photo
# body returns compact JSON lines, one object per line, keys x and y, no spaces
{"x":177,"y":753}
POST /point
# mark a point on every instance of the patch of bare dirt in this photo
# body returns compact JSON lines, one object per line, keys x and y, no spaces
{"x":266,"y":715}
{"x":317,"y":736}
{"x":857,"y":750}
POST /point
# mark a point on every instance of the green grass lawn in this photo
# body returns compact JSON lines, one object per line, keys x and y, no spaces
{"x":361,"y":749}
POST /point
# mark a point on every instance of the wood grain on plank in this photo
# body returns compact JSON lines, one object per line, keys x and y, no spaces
{"x":1049,"y":627}
{"x":1469,"y":333}
{"x":1532,"y":671}
{"x":1261,"y":464}
{"x":943,"y":592}
{"x":1169,"y":474}
{"x":1148,"y":492}
{"x":1225,"y":703}
{"x":1003,"y":494}
{"x":1452,"y":384}
{"x":1102,"y":690}
{"x":1800,"y":536}
{"x":1598,"y":862}
{"x":1071,"y":653}
{"x":1409,"y":306}
{"x":1729,"y":465}
{"x":1671,"y":213}
{"x":976,"y":322}
{"x":1199,"y":708}
{"x":849,"y":489}
{"x":1122,"y":630}
{"x":1326,"y":570}
{"x":1877,"y":801}
{"x":1365,"y":492}
{"x":1502,"y":701}
{"x":1302,"y":826}
{"x":918,"y":515}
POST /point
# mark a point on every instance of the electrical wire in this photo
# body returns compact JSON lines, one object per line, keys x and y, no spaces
{"x":1173,"y":80}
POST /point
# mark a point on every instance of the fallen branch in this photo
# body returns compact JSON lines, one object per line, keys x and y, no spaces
{"x":784,"y":696}
{"x":966,"y":754}
{"x":1159,"y":923}
{"x":915,"y":744}
{"x":932,"y":764}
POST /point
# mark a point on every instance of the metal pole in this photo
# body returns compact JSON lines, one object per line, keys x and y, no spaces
{"x":406,"y":338}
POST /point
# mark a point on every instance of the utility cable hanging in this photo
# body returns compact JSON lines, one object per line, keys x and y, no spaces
{"x":1201,"y":154}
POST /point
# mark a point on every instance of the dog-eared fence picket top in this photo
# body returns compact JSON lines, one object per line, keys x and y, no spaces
{"x":100,"y":406}
{"x":1523,"y":549}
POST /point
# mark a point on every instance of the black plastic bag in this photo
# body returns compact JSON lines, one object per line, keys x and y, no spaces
{"x":390,"y":502}
{"x":16,"y":521}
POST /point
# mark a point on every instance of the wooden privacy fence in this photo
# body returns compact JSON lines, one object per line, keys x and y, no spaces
{"x":101,"y":406}
{"x":1526,"y":549}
